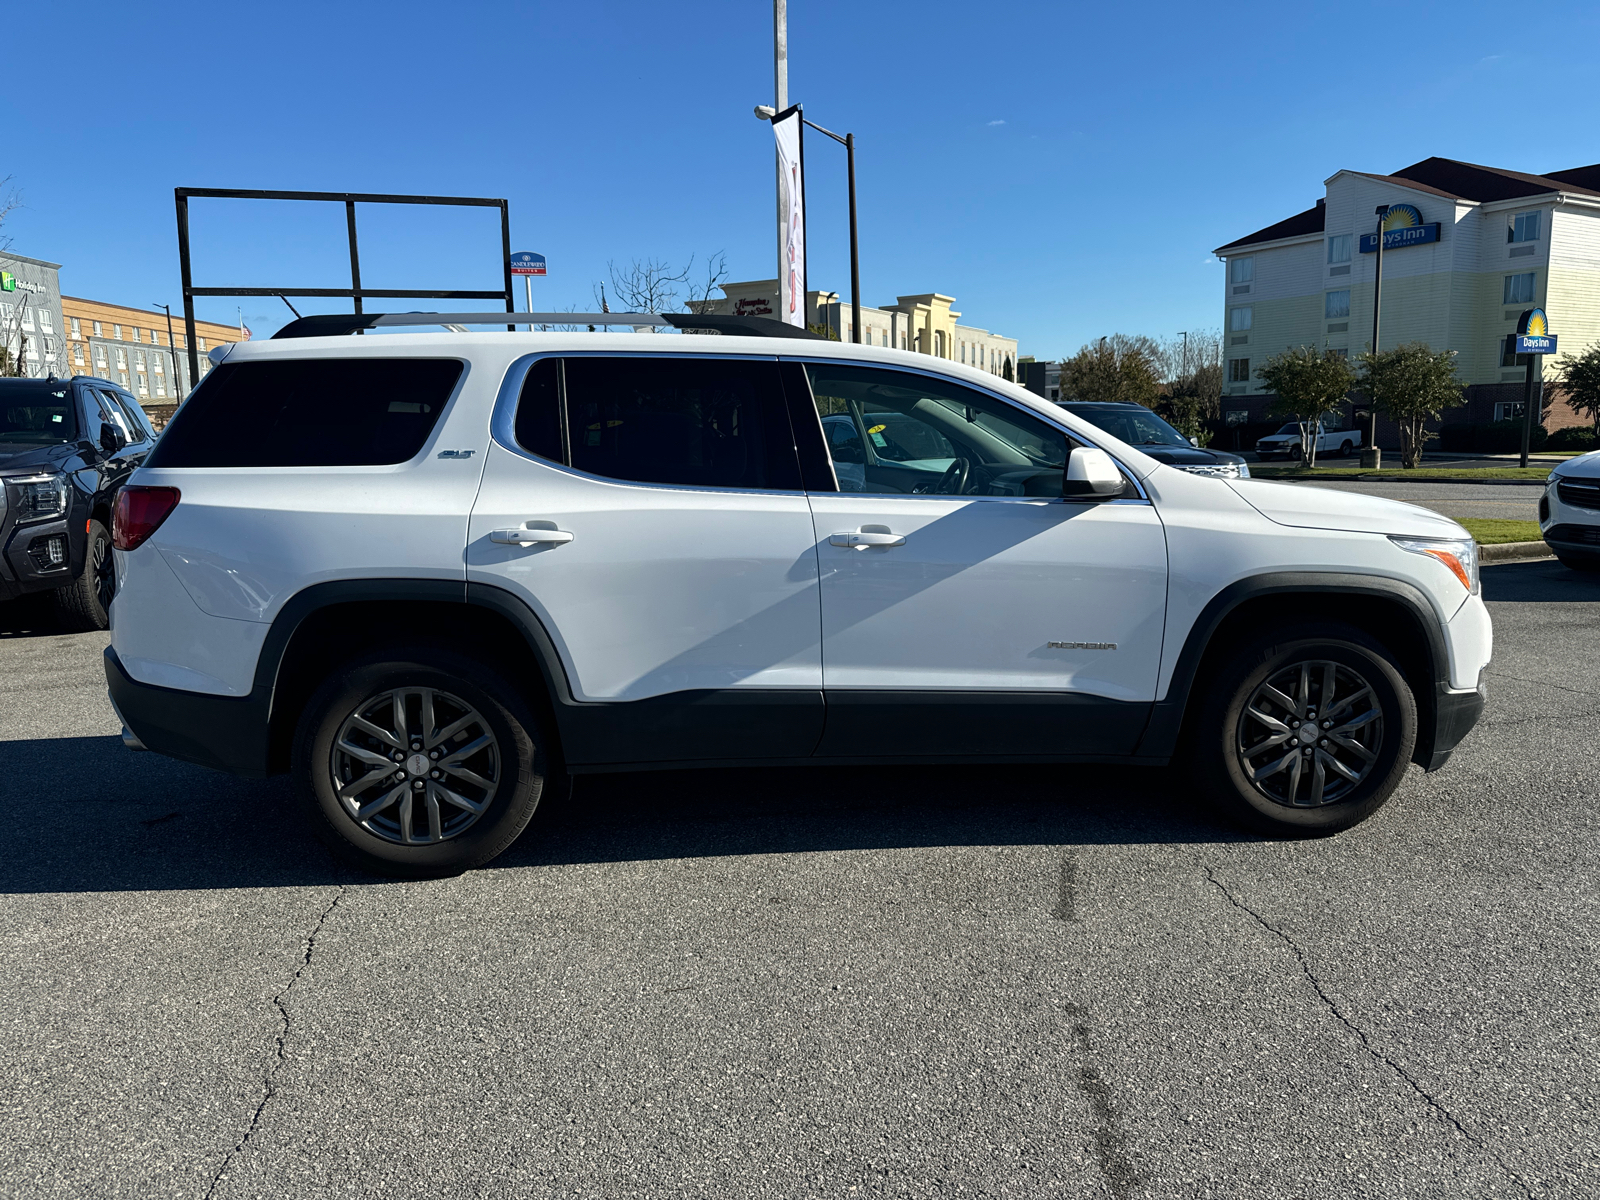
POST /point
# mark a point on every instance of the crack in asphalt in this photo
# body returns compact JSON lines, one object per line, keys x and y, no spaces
{"x":1543,"y":683}
{"x":1066,"y":908}
{"x":1361,"y":1035}
{"x":270,"y":1080}
{"x":1110,"y":1143}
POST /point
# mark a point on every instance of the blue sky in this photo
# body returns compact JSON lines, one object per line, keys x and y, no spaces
{"x":1062,"y":169}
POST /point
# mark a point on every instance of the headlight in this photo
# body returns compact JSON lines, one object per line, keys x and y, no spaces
{"x":1244,"y":470}
{"x":38,"y":497}
{"x":1458,"y":554}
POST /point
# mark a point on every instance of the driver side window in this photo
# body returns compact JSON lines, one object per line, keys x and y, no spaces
{"x":899,"y":433}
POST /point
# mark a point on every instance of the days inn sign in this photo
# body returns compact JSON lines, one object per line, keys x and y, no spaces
{"x":1402,"y":226}
{"x":1533,"y":333}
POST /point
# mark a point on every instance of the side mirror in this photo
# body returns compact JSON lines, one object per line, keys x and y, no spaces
{"x":1091,"y":472}
{"x":111,"y":439}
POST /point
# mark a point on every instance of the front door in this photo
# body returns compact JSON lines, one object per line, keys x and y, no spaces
{"x":967,"y":607}
{"x":648,"y":509}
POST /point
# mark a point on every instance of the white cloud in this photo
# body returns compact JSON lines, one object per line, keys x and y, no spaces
{"x":997,"y":122}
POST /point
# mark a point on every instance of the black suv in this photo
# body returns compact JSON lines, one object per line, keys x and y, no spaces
{"x":66,"y":446}
{"x":1138,"y":426}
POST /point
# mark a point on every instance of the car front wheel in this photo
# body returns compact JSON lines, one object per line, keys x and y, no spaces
{"x":419,"y":762}
{"x":1307,"y":730}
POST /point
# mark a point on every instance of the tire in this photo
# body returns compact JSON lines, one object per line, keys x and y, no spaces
{"x":1578,"y":561}
{"x":84,"y":605}
{"x":469,"y":812}
{"x":1234,"y":753}
{"x":1295,"y":454}
{"x":1344,"y":450}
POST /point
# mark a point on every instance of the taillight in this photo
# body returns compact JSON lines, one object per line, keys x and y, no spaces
{"x":139,"y":513}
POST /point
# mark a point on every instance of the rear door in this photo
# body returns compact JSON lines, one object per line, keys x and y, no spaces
{"x":648,"y":508}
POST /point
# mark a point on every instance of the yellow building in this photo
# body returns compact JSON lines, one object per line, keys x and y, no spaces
{"x":131,"y":346}
{"x":924,"y":323}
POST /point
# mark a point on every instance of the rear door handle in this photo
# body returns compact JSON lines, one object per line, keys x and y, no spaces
{"x":860,"y":541}
{"x":530,"y":537}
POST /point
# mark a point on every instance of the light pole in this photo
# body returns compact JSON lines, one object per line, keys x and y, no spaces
{"x":1372,"y":457}
{"x":1184,"y":334}
{"x":172,"y":351}
{"x":848,"y":141}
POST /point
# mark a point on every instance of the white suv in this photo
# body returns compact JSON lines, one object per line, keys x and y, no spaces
{"x":431,"y":573}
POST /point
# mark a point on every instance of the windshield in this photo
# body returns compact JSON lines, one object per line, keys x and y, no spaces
{"x":1292,"y":427}
{"x":36,"y":412}
{"x":1137,"y":427}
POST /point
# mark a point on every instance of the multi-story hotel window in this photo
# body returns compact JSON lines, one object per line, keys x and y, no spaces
{"x":116,"y":332}
{"x":27,"y":318}
{"x":1240,"y":319}
{"x":100,"y":358}
{"x":96,"y":327}
{"x":1339,"y":248}
{"x":138,"y":360}
{"x":1524,"y":227}
{"x":200,"y":342}
{"x":122,"y":363}
{"x":1238,"y":370}
{"x":136,"y":336}
{"x":1242,"y":270}
{"x":47,"y":320}
{"x":73,"y":327}
{"x":77,"y":354}
{"x":1519,"y":289}
{"x":1336,"y":304}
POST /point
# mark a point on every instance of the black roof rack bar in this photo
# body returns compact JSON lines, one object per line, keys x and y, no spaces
{"x":340,"y":197}
{"x":336,"y":324}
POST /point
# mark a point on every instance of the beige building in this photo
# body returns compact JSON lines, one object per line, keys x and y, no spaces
{"x":924,"y":323}
{"x":1467,"y":249}
{"x":131,"y":346}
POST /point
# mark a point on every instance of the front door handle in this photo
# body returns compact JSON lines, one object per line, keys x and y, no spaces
{"x":860,"y":541}
{"x":530,"y":537}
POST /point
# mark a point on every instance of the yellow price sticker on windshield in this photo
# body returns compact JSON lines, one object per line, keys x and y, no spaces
{"x":877,"y":429}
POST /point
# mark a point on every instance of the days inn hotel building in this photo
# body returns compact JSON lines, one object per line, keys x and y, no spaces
{"x":1466,"y":250}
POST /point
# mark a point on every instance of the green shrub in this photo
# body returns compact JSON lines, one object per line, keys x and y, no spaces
{"x":1574,"y":437}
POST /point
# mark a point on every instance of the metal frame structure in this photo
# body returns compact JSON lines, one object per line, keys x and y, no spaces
{"x":355,"y":291}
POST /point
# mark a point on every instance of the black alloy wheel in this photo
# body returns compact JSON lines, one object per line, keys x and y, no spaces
{"x":84,"y":604}
{"x":1305,"y":729}
{"x":418,"y":761}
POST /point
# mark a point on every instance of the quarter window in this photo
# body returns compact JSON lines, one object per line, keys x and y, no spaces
{"x":1524,"y":227}
{"x":1336,"y":304}
{"x":896,"y":433}
{"x":1239,"y":319}
{"x":1339,"y":248}
{"x":317,"y":412}
{"x":693,"y":422}
{"x":1519,"y":289}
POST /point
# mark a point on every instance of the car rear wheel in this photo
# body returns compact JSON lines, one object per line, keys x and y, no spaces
{"x":84,"y":605}
{"x":1344,"y":448}
{"x":1307,"y":730}
{"x":419,"y":762}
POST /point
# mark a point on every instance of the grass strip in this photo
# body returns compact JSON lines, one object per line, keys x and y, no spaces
{"x":1266,"y":471}
{"x":1493,"y":531}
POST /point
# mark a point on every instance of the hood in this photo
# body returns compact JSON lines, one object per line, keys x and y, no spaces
{"x":1585,"y":466}
{"x":1188,"y":456}
{"x":1303,"y":506}
{"x":17,"y":457}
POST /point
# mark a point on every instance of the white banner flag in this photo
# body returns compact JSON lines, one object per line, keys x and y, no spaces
{"x":792,"y":202}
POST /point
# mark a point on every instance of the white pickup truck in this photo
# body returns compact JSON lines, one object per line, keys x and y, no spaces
{"x":1286,"y":442}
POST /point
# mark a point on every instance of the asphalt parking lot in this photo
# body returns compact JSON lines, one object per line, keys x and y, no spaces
{"x":1005,"y":982}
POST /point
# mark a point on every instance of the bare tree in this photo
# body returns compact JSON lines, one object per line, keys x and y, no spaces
{"x":646,"y":285}
{"x":13,"y":342}
{"x":716,"y":271}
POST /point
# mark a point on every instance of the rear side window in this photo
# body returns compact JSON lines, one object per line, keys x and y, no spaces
{"x":696,"y":422}
{"x":315,"y":412}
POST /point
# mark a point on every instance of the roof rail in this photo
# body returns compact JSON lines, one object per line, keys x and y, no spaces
{"x":336,"y":324}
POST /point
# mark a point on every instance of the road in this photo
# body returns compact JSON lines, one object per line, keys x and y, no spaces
{"x":828,"y":983}
{"x":1510,"y":501}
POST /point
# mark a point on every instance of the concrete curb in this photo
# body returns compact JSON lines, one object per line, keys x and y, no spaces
{"x":1514,"y":552}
